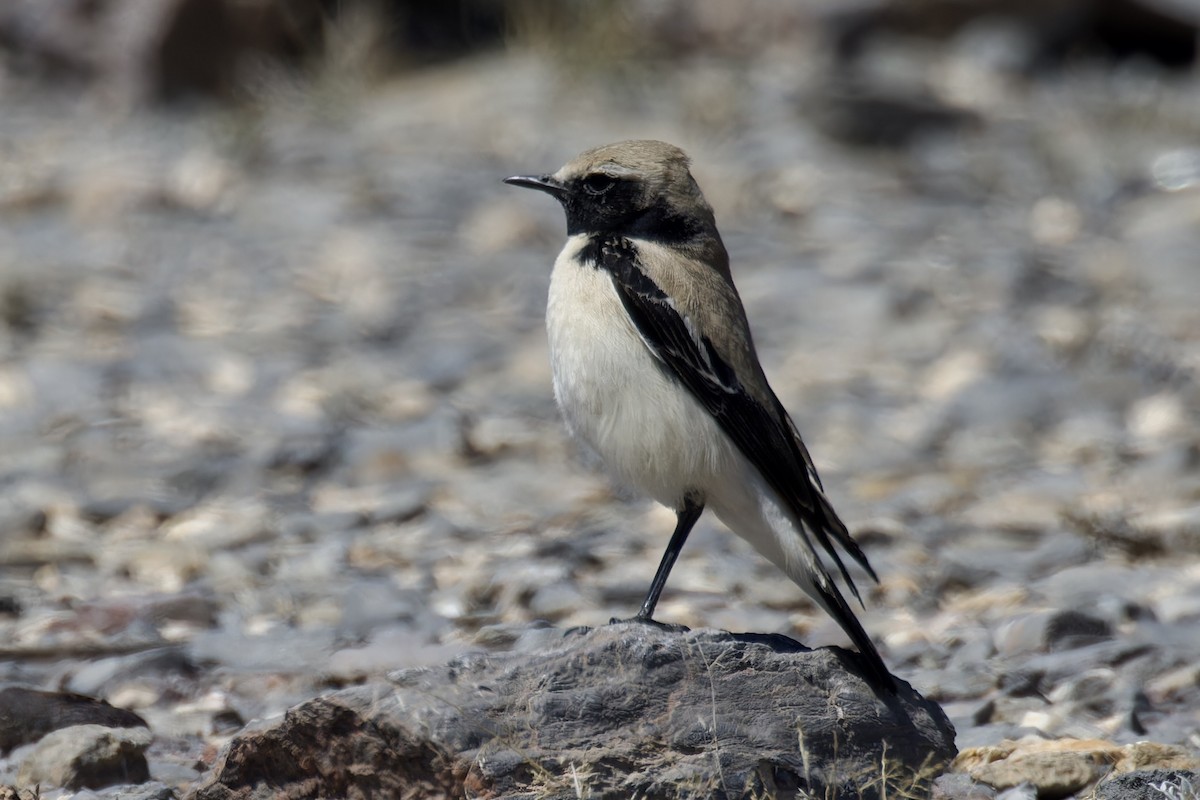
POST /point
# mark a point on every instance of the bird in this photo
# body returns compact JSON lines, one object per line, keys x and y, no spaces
{"x":654,"y":369}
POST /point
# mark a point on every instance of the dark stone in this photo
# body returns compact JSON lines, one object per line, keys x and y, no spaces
{"x":17,"y":520}
{"x":876,"y":117}
{"x":306,"y":454}
{"x":1058,"y":32}
{"x":1069,"y":629}
{"x":625,"y":710}
{"x":27,"y":715}
{"x":326,"y":749}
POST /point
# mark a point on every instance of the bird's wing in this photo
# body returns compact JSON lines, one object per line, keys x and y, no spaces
{"x":765,"y":435}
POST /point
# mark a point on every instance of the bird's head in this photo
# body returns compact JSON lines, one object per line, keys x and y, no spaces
{"x":637,"y":188}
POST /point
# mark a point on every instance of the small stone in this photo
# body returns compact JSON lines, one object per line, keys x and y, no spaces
{"x":1174,"y":683}
{"x":1146,"y":755}
{"x":1043,"y":631}
{"x":1069,"y":629}
{"x":220,"y":526}
{"x":18,"y":520}
{"x":1178,"y":529}
{"x":1158,"y":418}
{"x":200,"y":180}
{"x":1056,"y":768}
{"x":1023,"y":633}
{"x":493,"y":436}
{"x":88,"y":756}
{"x":1175,"y":170}
{"x":499,"y":226}
{"x":389,"y":649}
{"x":1063,"y":328}
{"x":556,"y":600}
{"x":957,"y":786}
{"x":1024,"y":791}
{"x":400,"y":505}
{"x":305,"y":453}
{"x":153,"y":790}
{"x":1054,"y":221}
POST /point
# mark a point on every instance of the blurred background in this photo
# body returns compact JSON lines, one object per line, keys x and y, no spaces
{"x":275,"y":412}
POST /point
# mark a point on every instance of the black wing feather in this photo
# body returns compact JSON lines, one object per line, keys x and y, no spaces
{"x":765,"y":436}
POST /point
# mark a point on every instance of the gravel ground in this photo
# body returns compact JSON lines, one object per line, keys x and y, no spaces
{"x":276,"y":416}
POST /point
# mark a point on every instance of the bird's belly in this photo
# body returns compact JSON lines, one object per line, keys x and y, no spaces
{"x":649,"y":431}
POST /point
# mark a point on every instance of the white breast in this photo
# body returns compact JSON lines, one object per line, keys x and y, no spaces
{"x":650,"y":432}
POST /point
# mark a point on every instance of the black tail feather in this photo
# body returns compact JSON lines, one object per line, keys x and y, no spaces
{"x":877,"y":673}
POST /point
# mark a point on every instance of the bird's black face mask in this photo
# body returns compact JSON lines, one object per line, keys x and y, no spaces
{"x":600,"y":203}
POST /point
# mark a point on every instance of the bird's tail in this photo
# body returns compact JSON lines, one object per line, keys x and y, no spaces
{"x":830,"y":598}
{"x":774,"y":532}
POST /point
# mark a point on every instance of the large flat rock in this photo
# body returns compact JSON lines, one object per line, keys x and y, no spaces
{"x":627,"y":709}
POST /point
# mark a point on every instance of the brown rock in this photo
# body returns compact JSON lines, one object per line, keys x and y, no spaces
{"x":1062,"y":767}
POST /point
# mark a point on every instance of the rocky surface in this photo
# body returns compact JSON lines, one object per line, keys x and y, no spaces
{"x":276,"y":420}
{"x":627,"y":710}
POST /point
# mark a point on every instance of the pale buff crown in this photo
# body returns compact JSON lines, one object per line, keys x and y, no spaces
{"x":661,"y":167}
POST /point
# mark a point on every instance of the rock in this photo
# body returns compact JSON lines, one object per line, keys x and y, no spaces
{"x":1051,"y":631}
{"x":1025,"y":791}
{"x":88,"y":756}
{"x":102,"y":676}
{"x":1057,"y":33}
{"x":159,"y":50}
{"x":1055,"y":768}
{"x":401,"y":504}
{"x":1062,"y":767}
{"x":1150,"y":784}
{"x":628,"y":709}
{"x":957,"y":786}
{"x":27,"y":715}
{"x":307,"y":453}
{"x":873,"y":117}
{"x":18,"y":519}
{"x":154,"y":790}
{"x":1069,"y":629}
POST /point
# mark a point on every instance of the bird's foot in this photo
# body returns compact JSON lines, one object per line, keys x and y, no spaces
{"x":669,"y":627}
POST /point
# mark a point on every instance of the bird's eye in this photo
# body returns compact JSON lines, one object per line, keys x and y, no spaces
{"x":598,"y":183}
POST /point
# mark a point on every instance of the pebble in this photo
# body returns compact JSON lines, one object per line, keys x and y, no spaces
{"x":87,"y":756}
{"x":957,"y":786}
{"x":102,"y":676}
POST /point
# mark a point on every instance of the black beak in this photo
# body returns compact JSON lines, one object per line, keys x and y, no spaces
{"x":543,"y":183}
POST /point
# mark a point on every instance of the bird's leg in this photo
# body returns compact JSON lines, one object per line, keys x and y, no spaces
{"x":685,"y":519}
